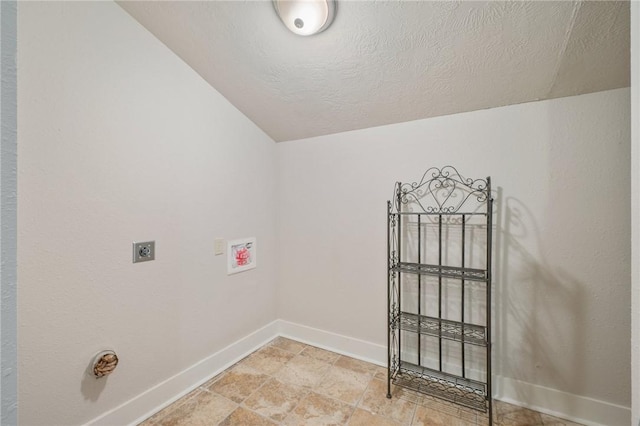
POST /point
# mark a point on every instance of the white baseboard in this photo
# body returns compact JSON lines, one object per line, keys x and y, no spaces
{"x":572,"y":407}
{"x":345,"y":345}
{"x":153,"y":400}
{"x":579,"y":409}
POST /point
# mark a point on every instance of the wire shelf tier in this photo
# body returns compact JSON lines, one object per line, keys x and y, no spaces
{"x":470,"y":274}
{"x":438,"y":327}
{"x":465,"y":392}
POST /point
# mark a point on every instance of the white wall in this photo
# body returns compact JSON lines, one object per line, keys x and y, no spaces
{"x":119,"y":140}
{"x":562,"y":252}
{"x":8,"y":160}
{"x":635,"y":211}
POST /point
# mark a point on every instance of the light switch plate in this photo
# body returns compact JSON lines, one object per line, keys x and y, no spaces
{"x":218,"y":246}
{"x":144,"y":251}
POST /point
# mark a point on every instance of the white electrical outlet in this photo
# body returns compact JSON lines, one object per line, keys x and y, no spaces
{"x":143,"y":252}
{"x":218,"y":246}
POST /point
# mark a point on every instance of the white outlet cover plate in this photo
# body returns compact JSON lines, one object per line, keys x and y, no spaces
{"x":144,"y":247}
{"x":218,"y":246}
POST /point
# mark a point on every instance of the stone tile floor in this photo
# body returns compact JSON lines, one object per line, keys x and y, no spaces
{"x":290,"y":383}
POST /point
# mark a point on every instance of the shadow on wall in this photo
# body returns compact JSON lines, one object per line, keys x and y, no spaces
{"x":537,"y":308}
{"x":91,"y":387}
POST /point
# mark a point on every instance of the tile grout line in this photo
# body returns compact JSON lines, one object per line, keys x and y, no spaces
{"x":312,"y":389}
{"x":301,"y":399}
{"x":309,"y":390}
{"x":269,"y":377}
{"x":415,"y":412}
{"x":359,"y":401}
{"x":355,"y":405}
{"x":333,"y":365}
{"x":242,"y":403}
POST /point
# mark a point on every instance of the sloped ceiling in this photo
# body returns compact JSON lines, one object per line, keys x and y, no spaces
{"x":385,"y":62}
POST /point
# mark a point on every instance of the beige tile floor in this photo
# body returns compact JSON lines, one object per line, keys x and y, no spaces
{"x":289,"y":383}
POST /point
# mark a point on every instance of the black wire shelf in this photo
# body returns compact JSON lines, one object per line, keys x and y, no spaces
{"x":438,"y":327}
{"x":455,"y":213}
{"x":465,"y":392}
{"x":469,"y":274}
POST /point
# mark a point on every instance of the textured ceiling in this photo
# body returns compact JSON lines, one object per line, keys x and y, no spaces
{"x":385,"y":62}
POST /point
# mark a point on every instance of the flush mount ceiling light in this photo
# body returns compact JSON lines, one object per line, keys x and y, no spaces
{"x":306,"y":17}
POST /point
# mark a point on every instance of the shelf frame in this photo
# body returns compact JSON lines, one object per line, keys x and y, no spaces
{"x":441,"y":197}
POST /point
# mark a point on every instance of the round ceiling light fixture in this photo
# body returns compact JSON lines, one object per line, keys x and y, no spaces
{"x":306,"y":17}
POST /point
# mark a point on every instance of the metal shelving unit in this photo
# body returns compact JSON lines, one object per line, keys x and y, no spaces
{"x":439,"y":233}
